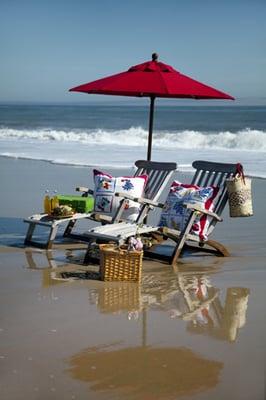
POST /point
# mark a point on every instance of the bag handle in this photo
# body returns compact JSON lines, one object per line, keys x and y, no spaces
{"x":240,"y":172}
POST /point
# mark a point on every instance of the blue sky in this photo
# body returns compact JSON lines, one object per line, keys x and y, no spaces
{"x":48,"y":46}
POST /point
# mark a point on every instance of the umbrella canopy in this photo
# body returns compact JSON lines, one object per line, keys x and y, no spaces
{"x":152,"y":79}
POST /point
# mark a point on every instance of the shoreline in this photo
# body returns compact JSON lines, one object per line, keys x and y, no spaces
{"x":111,"y":166}
{"x":70,"y":164}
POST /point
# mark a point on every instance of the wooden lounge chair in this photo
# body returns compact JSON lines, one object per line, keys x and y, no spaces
{"x":206,"y":174}
{"x":158,"y":173}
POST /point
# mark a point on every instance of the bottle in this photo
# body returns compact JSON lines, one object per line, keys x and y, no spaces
{"x":47,"y":204}
{"x":54,"y":202}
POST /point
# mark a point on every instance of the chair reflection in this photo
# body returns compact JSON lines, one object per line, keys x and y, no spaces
{"x":200,"y":305}
{"x":54,"y":271}
{"x":183,"y":295}
{"x":186,"y":294}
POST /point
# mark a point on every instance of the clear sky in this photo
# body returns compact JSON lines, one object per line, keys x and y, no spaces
{"x":48,"y":46}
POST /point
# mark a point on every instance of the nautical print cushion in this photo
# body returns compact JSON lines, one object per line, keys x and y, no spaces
{"x":175,"y":216}
{"x":105,"y":201}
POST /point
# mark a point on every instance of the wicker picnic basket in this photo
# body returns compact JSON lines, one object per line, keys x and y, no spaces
{"x":119,"y":264}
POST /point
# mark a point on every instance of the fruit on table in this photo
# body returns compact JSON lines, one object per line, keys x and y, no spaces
{"x":62,"y":211}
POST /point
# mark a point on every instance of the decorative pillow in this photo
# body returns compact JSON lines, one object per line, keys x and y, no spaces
{"x":175,"y":216}
{"x":105,"y":202}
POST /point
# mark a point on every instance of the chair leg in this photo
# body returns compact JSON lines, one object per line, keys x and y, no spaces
{"x":52,"y":235}
{"x":175,"y":256}
{"x":69,"y":228}
{"x":220,"y":249}
{"x":182,"y":239}
{"x":29,"y":234}
{"x":88,"y":259}
{"x":48,"y":244}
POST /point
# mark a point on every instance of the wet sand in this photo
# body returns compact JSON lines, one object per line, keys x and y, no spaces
{"x":197,"y":332}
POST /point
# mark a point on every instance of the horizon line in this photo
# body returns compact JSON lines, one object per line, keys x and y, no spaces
{"x":194,"y":103}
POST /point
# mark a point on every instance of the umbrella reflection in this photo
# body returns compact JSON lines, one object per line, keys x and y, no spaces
{"x":145,"y":372}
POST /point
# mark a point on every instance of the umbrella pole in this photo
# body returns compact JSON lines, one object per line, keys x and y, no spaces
{"x":144,"y":327}
{"x":150,"y":128}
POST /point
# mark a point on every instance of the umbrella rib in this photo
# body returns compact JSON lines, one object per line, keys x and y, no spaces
{"x":162,"y":79}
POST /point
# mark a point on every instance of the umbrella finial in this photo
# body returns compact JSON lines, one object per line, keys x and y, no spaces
{"x":154,"y":57}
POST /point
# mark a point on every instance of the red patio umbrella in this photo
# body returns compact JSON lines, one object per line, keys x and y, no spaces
{"x":152,"y":79}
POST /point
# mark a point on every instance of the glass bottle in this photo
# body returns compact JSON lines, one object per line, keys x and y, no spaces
{"x":47,"y":203}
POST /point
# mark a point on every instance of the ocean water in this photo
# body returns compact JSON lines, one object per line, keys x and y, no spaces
{"x":116,"y":136}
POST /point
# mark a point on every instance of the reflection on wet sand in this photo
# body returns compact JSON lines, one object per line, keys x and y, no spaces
{"x":169,"y":372}
{"x":190,"y":297}
{"x":206,"y":314}
{"x":235,"y":308}
{"x":54,"y":272}
{"x":145,"y":372}
{"x":186,"y":293}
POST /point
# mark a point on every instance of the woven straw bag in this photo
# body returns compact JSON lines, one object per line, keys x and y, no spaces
{"x":239,"y":194}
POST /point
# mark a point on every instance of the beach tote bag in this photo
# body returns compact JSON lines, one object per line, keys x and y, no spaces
{"x":239,"y":194}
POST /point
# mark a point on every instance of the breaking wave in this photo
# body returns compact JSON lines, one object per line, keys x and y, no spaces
{"x":247,"y":139}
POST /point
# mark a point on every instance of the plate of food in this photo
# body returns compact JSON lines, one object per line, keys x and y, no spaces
{"x":62,"y":212}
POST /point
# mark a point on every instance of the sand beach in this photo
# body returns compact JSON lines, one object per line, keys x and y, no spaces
{"x":194,"y":333}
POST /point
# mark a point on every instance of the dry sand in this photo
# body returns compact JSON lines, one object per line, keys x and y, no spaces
{"x":194,"y":333}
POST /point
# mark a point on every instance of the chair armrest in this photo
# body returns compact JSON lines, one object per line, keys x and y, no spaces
{"x":101,"y":217}
{"x":196,"y":207}
{"x":85,"y":190}
{"x":140,"y":200}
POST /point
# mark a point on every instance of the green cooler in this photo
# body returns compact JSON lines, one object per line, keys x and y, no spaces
{"x":79,"y":204}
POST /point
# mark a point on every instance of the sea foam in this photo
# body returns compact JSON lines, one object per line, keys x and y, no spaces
{"x":247,"y":139}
